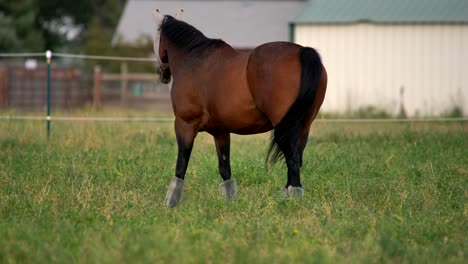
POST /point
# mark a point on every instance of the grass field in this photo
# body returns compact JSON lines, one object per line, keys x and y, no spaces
{"x":374,"y":193}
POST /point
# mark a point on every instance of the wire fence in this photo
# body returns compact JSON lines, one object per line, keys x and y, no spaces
{"x":23,"y":86}
{"x":76,"y":56}
{"x":171,"y":119}
{"x":98,"y":91}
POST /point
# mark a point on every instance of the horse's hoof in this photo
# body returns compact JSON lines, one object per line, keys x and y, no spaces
{"x":174,"y":193}
{"x":228,"y":189}
{"x":294,"y":192}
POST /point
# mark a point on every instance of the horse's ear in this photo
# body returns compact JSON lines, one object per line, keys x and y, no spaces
{"x":158,"y":18}
{"x":178,"y":16}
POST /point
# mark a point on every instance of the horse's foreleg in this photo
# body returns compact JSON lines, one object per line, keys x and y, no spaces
{"x":185,"y":134}
{"x":223,"y":149}
{"x":228,"y":188}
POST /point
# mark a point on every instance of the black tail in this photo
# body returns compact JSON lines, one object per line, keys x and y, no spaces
{"x":286,"y":134}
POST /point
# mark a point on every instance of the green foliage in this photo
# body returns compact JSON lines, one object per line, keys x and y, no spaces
{"x":57,"y":17}
{"x":370,"y":112}
{"x":98,"y":37}
{"x":98,"y":42}
{"x":18,"y":26}
{"x":454,"y":112}
{"x":36,"y":25}
{"x":392,"y":193}
{"x":8,"y":37}
{"x":362,"y":112}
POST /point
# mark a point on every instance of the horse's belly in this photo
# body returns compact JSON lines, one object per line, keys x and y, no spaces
{"x":251,"y":131}
{"x":253,"y":128}
{"x":238,"y":122}
{"x":246,"y":130}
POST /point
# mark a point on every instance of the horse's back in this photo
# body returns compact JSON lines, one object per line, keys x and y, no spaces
{"x":274,"y":76}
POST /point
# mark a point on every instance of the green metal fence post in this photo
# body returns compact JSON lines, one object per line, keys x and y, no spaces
{"x":49,"y":58}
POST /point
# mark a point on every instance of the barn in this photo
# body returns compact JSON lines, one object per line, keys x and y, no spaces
{"x":394,"y":55}
{"x":399,"y":56}
{"x":244,"y":24}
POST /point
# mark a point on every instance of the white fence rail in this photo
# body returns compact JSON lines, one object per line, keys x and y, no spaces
{"x":171,"y":119}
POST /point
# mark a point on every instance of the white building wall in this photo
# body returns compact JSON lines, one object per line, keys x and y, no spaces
{"x":367,"y":64}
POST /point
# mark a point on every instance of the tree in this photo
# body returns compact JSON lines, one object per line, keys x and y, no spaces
{"x":57,"y":18}
{"x":84,"y":26}
{"x":98,"y":38}
{"x":36,"y":25}
{"x":17,"y":26}
{"x":98,"y":42}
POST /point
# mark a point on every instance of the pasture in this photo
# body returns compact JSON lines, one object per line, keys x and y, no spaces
{"x":373,"y":193}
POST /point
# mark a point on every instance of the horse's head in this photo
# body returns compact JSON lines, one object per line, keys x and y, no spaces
{"x":160,"y":47}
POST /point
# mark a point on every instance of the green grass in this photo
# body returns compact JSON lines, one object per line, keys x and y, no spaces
{"x":374,"y":193}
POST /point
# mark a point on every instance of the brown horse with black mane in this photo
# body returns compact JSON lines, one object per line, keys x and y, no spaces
{"x":278,"y":85}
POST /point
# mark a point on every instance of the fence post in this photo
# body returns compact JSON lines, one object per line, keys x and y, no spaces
{"x":97,"y":87}
{"x":402,"y":112}
{"x":49,"y":59}
{"x":123,"y":82}
{"x":68,"y":83}
{"x":3,"y":87}
{"x":28,"y":85}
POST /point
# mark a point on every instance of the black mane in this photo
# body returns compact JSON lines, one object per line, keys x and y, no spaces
{"x":186,"y":37}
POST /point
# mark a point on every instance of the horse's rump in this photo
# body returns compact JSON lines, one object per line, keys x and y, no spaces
{"x":284,"y":80}
{"x":273,"y":74}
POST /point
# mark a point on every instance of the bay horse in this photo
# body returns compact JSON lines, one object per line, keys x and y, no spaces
{"x":277,"y":86}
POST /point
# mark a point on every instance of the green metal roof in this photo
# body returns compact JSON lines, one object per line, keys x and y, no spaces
{"x":384,"y":11}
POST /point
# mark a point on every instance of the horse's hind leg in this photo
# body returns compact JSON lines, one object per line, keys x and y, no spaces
{"x":293,"y":162}
{"x":302,"y":145}
{"x":293,"y":153}
{"x":185,"y":134}
{"x":293,"y":185}
{"x":228,"y":188}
